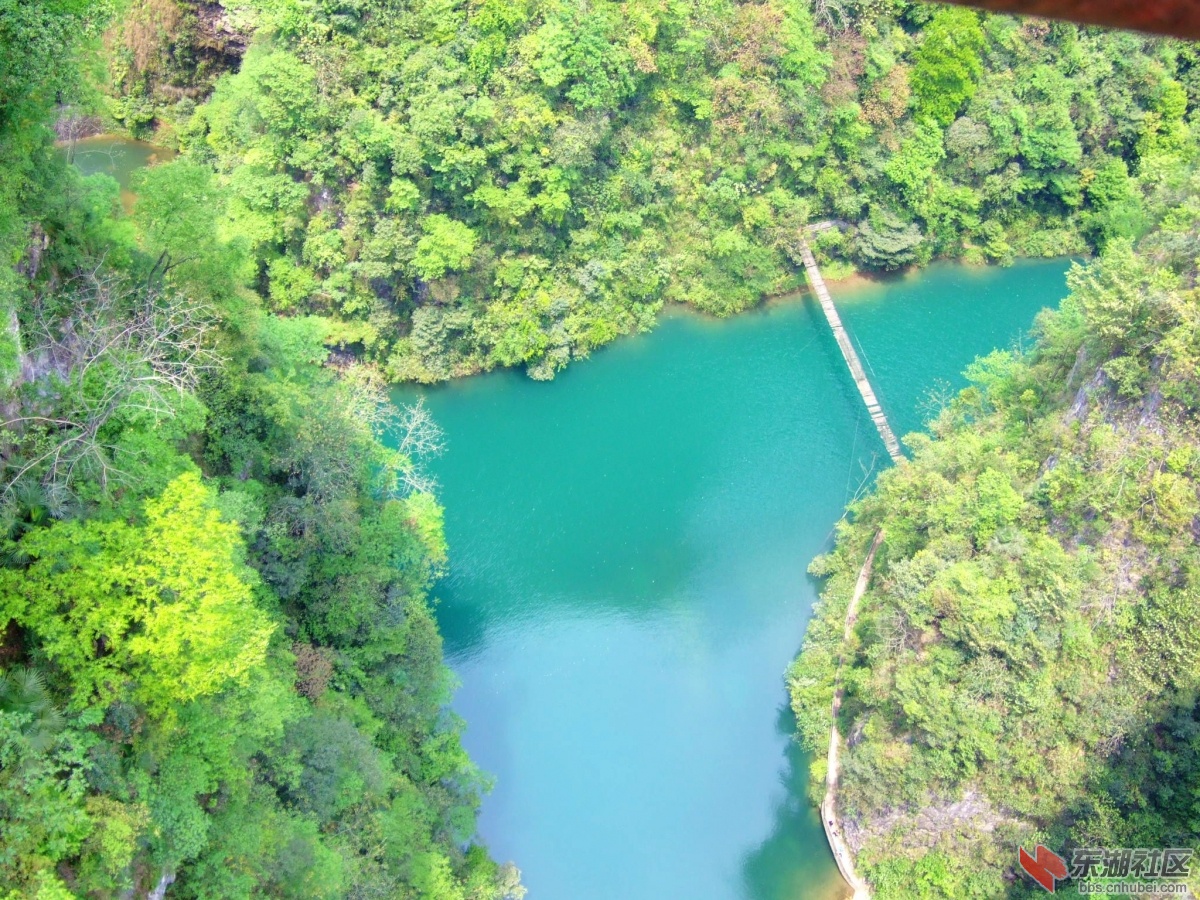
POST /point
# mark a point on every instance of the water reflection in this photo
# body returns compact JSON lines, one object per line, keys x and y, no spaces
{"x":771,"y":871}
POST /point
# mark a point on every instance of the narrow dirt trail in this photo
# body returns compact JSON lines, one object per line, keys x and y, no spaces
{"x":829,"y":816}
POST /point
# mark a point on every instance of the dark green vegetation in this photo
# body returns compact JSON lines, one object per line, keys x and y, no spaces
{"x":1026,"y":664}
{"x":219,"y":669}
{"x":459,"y":186}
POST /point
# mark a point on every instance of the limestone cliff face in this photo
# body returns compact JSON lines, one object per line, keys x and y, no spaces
{"x":165,"y":56}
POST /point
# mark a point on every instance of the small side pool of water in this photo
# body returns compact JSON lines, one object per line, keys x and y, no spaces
{"x":117,"y":156}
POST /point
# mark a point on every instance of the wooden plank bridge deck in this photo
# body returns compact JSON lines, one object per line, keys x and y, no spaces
{"x":874,"y":410}
{"x":829,"y":807}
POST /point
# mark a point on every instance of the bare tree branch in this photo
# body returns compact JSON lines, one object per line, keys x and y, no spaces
{"x":100,"y":349}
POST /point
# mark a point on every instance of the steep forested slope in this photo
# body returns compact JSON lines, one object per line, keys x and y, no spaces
{"x":219,"y":672}
{"x":1026,"y":663}
{"x":220,"y":668}
{"x":460,"y":185}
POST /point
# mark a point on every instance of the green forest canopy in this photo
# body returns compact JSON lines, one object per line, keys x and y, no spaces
{"x":220,"y":669}
{"x":458,"y":186}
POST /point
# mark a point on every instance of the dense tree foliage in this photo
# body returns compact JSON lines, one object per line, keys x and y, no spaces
{"x":219,"y":671}
{"x":947,"y":65}
{"x":461,"y":186}
{"x":1025,"y":666}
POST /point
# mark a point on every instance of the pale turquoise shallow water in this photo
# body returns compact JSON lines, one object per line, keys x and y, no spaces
{"x":628,"y":580}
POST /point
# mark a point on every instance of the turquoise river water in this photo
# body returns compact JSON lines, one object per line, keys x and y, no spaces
{"x":628,"y":583}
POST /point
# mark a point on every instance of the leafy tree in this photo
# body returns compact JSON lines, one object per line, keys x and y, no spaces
{"x":23,"y":692}
{"x":1163,"y":130}
{"x":947,"y":65}
{"x":169,"y":602}
{"x":42,"y":791}
{"x":914,"y":165}
{"x":177,"y":212}
{"x":445,"y":247}
{"x":884,"y":241}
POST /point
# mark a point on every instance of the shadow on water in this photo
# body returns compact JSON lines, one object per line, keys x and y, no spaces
{"x":462,"y":628}
{"x":771,"y":871}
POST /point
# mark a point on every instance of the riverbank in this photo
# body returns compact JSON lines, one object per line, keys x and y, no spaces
{"x":834,"y":831}
{"x":120,"y":157}
{"x":628,"y":553}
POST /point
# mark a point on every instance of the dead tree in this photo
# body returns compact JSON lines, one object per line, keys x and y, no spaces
{"x":99,"y":349}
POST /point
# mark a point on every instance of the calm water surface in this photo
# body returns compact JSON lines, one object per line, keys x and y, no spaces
{"x":119,"y":157}
{"x":627,"y":583}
